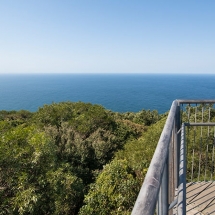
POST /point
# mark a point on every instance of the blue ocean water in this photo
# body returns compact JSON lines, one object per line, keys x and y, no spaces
{"x":116,"y":92}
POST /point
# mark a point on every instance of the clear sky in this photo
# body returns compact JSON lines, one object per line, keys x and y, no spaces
{"x":107,"y":36}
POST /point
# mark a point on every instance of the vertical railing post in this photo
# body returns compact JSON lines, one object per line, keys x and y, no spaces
{"x":171,"y":187}
{"x":177,"y":140}
{"x":174,"y":150}
{"x":182,"y":175}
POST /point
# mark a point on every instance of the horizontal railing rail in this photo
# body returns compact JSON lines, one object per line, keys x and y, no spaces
{"x":197,"y":101}
{"x":167,"y":170}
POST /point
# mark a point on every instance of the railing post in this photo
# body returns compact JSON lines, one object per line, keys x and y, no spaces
{"x":174,"y":154}
{"x":182,"y":175}
{"x":177,"y":140}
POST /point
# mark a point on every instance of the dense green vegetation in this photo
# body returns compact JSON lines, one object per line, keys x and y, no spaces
{"x":74,"y":158}
{"x":116,"y":188}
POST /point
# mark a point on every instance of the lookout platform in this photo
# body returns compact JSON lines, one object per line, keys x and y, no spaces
{"x":185,"y":152}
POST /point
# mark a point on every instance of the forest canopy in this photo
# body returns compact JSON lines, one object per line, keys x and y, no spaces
{"x":74,"y":158}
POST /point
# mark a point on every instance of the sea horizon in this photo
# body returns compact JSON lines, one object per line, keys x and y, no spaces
{"x":119,"y":92}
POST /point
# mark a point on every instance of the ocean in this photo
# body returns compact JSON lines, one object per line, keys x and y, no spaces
{"x":116,"y":92}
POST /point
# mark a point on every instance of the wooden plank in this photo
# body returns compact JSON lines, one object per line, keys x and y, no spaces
{"x":210,"y":208}
{"x":201,"y":198}
{"x":191,"y":210}
{"x":195,"y":190}
{"x":209,"y":200}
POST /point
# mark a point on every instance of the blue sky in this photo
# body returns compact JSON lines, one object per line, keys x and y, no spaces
{"x":107,"y":36}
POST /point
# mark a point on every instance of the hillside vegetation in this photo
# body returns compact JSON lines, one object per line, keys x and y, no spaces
{"x":74,"y":158}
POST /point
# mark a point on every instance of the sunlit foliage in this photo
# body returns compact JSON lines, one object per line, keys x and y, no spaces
{"x":51,"y":158}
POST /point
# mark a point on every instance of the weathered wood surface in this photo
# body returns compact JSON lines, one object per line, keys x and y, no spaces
{"x":200,"y":197}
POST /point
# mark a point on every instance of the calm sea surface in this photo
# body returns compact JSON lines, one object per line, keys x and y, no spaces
{"x":116,"y":92}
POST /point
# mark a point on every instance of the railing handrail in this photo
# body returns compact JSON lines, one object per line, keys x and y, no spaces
{"x":195,"y":101}
{"x":147,"y":198}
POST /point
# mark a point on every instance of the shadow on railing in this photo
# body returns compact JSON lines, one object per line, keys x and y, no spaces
{"x":178,"y":155}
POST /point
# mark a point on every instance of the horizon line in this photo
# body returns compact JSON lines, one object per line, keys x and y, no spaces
{"x":103,"y":73}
